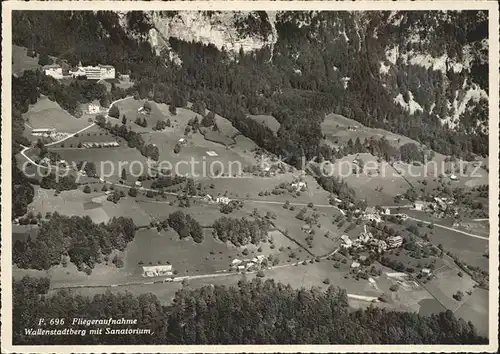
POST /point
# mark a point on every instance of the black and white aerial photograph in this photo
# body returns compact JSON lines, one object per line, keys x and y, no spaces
{"x":249,"y":177}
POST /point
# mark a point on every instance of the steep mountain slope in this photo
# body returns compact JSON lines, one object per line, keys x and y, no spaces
{"x":431,"y":65}
{"x":419,"y":74}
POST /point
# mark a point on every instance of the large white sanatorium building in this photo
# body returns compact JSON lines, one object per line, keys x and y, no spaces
{"x":99,"y":72}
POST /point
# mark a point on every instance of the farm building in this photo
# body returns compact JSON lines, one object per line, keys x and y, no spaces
{"x":299,"y":185}
{"x":306,"y":228}
{"x":43,"y":132}
{"x":222,"y":200}
{"x":355,"y":265}
{"x":387,"y":211}
{"x":53,"y":70}
{"x":94,"y":108}
{"x":259,"y":259}
{"x":157,"y":271}
{"x":346,"y":241}
{"x":419,"y":205}
{"x":101,"y":144}
{"x":454,"y":177}
{"x":426,"y":271}
{"x":236,"y":262}
{"x":182,"y":141}
{"x":138,"y":183}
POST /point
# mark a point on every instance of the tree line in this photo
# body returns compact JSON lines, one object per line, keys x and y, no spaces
{"x":76,"y":238}
{"x":253,"y":312}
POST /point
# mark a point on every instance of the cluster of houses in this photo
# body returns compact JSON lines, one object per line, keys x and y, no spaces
{"x":372,"y":214}
{"x":438,"y":205}
{"x":98,"y":72}
{"x":157,"y":271}
{"x":367,"y":241}
{"x":248,"y":264}
{"x":104,"y":144}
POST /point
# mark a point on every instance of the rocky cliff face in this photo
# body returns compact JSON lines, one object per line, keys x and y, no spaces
{"x":229,"y":31}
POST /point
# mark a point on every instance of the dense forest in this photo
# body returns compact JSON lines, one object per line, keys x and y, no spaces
{"x":75,"y":238}
{"x":256,"y":312}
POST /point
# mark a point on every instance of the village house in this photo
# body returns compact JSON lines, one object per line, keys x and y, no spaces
{"x":419,"y":205}
{"x":371,"y":214}
{"x":394,"y":241}
{"x":157,"y":271}
{"x":43,"y":132}
{"x":355,"y":265}
{"x":93,"y":108}
{"x":53,"y":70}
{"x":236,"y":262}
{"x":346,"y":241}
{"x":222,"y":200}
{"x":306,"y":228}
{"x":426,"y":271}
{"x":298,"y":186}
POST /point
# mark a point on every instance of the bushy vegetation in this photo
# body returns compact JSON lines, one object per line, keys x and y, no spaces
{"x":185,"y":226}
{"x":75,"y":237}
{"x":242,"y":231}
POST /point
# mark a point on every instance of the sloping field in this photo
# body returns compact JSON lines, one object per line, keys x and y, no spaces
{"x":337,"y":127}
{"x":475,"y":309}
{"x":130,"y":108}
{"x":109,"y":161}
{"x":68,"y":203}
{"x":267,"y":120}
{"x":378,"y":184}
{"x":186,"y":256}
{"x":21,"y":61}
{"x":446,"y":283}
{"x":48,"y":114}
{"x":226,"y":159}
